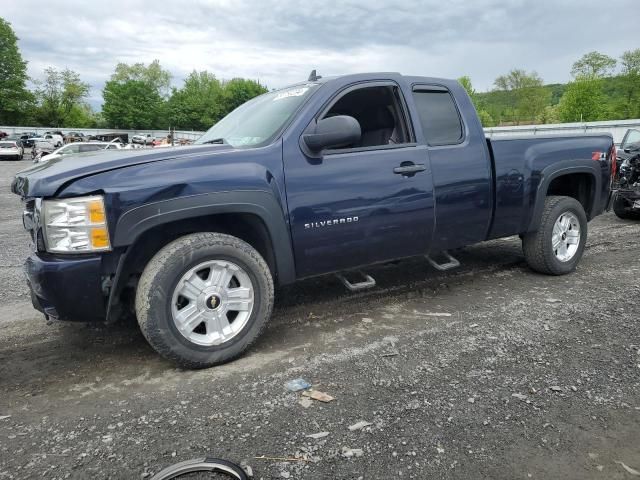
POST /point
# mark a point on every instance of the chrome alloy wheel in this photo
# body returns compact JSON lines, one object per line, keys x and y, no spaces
{"x":565,"y":238}
{"x":212,"y":302}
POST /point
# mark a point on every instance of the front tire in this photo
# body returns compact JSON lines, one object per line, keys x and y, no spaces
{"x":558,"y":244}
{"x":203,"y":299}
{"x":623,"y":211}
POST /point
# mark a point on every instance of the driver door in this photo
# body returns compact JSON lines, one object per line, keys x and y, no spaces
{"x":367,"y":202}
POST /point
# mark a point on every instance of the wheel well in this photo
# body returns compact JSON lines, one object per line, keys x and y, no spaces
{"x":580,"y":186}
{"x":245,"y":226}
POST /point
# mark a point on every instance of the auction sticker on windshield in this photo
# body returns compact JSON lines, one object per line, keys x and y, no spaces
{"x":296,"y":92}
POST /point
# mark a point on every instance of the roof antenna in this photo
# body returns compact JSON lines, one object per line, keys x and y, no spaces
{"x":313,"y":76}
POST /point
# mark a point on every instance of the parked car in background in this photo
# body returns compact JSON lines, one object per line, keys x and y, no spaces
{"x":41,"y":147}
{"x":15,"y":137}
{"x":143,"y":139}
{"x":57,"y":137}
{"x":110,"y":137}
{"x":79,"y":147}
{"x":3,"y":134}
{"x":626,"y":203}
{"x":11,"y":150}
{"x":75,"y":137}
{"x":27,"y":139}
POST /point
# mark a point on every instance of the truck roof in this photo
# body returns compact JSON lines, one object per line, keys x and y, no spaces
{"x":358,"y":77}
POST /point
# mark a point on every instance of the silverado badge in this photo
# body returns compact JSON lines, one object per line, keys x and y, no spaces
{"x":328,"y":223}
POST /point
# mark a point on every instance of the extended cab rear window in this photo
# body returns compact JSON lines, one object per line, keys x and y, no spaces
{"x":439,"y":116}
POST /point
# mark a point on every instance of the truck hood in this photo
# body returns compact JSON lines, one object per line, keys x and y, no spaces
{"x":44,"y":180}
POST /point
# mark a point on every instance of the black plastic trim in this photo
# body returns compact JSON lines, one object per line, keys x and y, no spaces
{"x":565,"y":167}
{"x":263,"y":204}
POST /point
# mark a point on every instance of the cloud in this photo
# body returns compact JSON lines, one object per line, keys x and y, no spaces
{"x":280,"y":41}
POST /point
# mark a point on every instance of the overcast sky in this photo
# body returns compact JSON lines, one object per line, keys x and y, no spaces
{"x":279,"y":42}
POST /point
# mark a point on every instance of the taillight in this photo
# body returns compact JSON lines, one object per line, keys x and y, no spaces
{"x":613,"y":158}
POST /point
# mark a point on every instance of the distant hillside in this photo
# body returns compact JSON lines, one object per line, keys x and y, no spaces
{"x":499,"y":103}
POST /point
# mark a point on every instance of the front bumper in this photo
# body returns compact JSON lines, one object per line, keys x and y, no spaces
{"x":66,"y":288}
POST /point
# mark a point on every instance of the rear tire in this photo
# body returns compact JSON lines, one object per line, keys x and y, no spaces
{"x":621,"y":209}
{"x":558,"y":244}
{"x":170,"y":274}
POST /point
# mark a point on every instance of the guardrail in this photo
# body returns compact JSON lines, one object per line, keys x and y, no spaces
{"x":617,"y":128}
{"x":187,"y":134}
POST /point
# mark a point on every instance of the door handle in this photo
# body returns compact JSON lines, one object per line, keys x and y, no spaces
{"x":410,"y":169}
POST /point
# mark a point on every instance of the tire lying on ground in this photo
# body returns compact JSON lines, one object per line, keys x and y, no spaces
{"x":203,"y":299}
{"x":557,"y":246}
{"x":622,"y":210}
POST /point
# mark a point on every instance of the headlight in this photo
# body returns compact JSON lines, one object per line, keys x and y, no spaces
{"x":75,"y":225}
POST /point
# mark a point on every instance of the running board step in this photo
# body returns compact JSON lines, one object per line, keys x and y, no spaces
{"x":368,"y":282}
{"x":448,"y":265}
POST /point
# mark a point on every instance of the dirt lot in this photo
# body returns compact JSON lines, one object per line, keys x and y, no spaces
{"x":490,"y":371}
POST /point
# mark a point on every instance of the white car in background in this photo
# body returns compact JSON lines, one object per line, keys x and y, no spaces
{"x":56,"y":138}
{"x":11,"y":149}
{"x":77,"y":148}
{"x":41,"y":147}
{"x":143,"y":139}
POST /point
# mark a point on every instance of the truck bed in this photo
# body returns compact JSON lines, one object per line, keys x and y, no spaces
{"x":524,"y":164}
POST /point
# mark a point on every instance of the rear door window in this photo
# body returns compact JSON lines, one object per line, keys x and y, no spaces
{"x":439,"y":117}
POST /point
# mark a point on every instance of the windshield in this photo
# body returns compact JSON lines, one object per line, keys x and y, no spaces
{"x":256,"y":122}
{"x":632,"y":138}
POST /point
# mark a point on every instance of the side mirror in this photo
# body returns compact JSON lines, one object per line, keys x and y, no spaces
{"x":333,"y":132}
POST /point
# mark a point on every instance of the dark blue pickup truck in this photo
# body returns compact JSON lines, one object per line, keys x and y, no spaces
{"x":326,"y":176}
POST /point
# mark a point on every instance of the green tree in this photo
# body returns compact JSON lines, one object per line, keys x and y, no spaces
{"x":485,"y":117}
{"x":132,"y":104}
{"x":630,"y":83}
{"x":527,"y":95}
{"x":134,"y":96}
{"x":593,"y":65}
{"x":465,"y":81}
{"x":198,"y":104}
{"x":153,"y":75}
{"x":15,"y":99}
{"x":238,"y":91}
{"x":81,"y":116}
{"x":550,"y":114}
{"x":582,"y":101}
{"x":58,"y":94}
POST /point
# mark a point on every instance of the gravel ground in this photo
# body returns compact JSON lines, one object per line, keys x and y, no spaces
{"x":491,"y":371}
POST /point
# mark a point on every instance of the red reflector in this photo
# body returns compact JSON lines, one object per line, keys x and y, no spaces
{"x":595,"y":156}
